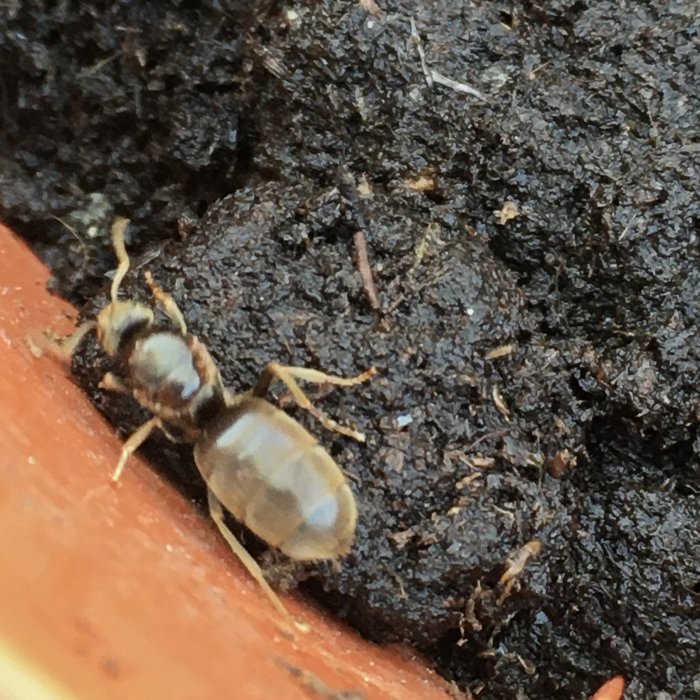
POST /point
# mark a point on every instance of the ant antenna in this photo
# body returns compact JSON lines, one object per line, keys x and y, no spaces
{"x":118,"y":229}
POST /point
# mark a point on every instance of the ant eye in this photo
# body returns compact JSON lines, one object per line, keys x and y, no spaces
{"x":119,"y":323}
{"x":129,"y":330}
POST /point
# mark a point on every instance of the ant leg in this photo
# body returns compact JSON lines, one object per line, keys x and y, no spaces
{"x":110,"y":382}
{"x":63,"y":348}
{"x":289,"y":375}
{"x":217,"y":514}
{"x":133,"y":443}
{"x":171,"y":309}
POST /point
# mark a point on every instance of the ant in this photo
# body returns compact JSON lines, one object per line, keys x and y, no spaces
{"x":258,"y":463}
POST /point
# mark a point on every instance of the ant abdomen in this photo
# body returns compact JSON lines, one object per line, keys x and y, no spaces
{"x":275,"y":477}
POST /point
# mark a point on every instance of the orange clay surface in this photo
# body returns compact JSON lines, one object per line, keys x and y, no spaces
{"x":127,"y":591}
{"x":611,"y":690}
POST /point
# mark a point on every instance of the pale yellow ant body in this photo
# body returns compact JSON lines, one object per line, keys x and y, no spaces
{"x":258,"y":463}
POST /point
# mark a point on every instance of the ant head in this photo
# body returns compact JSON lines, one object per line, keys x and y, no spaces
{"x":119,"y":322}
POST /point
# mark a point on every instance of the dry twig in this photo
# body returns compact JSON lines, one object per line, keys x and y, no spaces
{"x":363,"y":267}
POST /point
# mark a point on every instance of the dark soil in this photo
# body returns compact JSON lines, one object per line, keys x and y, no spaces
{"x":557,"y":214}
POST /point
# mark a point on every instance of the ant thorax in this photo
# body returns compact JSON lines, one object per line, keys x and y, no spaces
{"x":174,"y":376}
{"x":162,"y":365}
